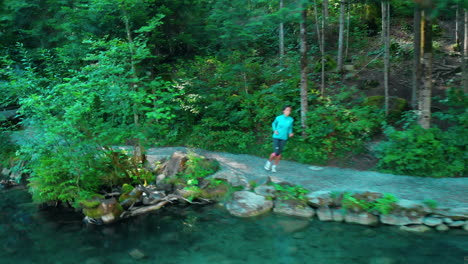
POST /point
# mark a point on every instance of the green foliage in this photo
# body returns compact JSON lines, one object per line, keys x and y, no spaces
{"x":287,"y":192}
{"x":432,"y":204}
{"x":382,"y":205}
{"x":335,"y":128}
{"x":74,"y":117}
{"x":350,"y":202}
{"x":198,"y":167}
{"x":385,"y":204}
{"x":429,"y":152}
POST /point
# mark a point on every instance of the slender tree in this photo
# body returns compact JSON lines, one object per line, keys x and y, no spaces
{"x":304,"y":69}
{"x":424,"y":101}
{"x":341,"y":36}
{"x":465,"y":53}
{"x":320,"y":39}
{"x":457,"y":24}
{"x":347,"y":31}
{"x":281,"y":34}
{"x":386,"y":42}
{"x":416,"y":56}
{"x":138,"y":147}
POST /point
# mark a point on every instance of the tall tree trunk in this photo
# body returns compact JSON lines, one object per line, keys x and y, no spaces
{"x":281,"y":34}
{"x":347,"y":31}
{"x":465,"y":54}
{"x":426,"y":89}
{"x":324,"y":16}
{"x":341,"y":36}
{"x":320,"y":38}
{"x":457,"y":25}
{"x":386,"y":42}
{"x":416,"y":57}
{"x":304,"y":71}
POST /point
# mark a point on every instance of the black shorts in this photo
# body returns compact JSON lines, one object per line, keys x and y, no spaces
{"x":278,"y":145}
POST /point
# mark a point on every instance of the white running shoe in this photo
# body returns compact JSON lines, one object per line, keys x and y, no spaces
{"x":267,"y":165}
{"x":273,"y":168}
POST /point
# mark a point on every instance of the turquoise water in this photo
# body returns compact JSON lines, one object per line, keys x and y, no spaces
{"x":210,"y":235}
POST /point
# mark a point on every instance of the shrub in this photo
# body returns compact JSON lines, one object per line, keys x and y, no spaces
{"x":424,"y":152}
{"x":335,"y":128}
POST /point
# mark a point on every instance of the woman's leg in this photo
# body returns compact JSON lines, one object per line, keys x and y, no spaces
{"x":278,"y":150}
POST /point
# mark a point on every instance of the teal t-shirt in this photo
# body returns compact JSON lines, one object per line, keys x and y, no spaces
{"x":283,"y":124}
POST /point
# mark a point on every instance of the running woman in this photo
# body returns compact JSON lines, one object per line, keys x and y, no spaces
{"x":282,"y":130}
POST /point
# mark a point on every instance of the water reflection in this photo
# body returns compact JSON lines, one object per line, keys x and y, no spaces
{"x":202,"y":235}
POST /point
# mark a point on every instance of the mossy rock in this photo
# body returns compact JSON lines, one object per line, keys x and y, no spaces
{"x":126,"y":188}
{"x":396,"y":105}
{"x":105,"y":207}
{"x":88,"y":204}
{"x":130,"y":193}
{"x":217,"y":193}
{"x":207,"y":165}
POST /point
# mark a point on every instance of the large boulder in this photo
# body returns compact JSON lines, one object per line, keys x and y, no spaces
{"x":432,"y":221}
{"x":278,"y":180}
{"x":391,"y":219}
{"x":265,"y":190}
{"x":363,"y":218}
{"x":215,"y":192}
{"x":247,"y":204}
{"x":234,"y":179}
{"x":174,"y":165}
{"x":320,"y":198}
{"x":324,"y":214}
{"x":293,"y":208}
{"x":460,"y":213}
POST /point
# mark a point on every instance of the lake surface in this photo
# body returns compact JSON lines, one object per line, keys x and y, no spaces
{"x":176,"y":235}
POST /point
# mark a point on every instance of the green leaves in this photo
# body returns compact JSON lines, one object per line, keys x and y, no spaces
{"x":287,"y":192}
{"x":424,"y":152}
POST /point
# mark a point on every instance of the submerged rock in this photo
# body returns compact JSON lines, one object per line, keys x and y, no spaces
{"x":137,"y":254}
{"x":293,"y":225}
{"x":293,"y":208}
{"x":415,"y":228}
{"x":442,"y":228}
{"x":247,"y":204}
{"x":458,"y":223}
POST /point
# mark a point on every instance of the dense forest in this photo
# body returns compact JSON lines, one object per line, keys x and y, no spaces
{"x":383,"y":82}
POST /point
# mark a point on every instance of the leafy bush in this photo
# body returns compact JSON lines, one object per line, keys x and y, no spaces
{"x":286,"y":192}
{"x":382,"y":205}
{"x":429,"y":152}
{"x":335,"y":127}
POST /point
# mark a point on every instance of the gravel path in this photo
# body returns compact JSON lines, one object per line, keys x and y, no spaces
{"x":447,"y":192}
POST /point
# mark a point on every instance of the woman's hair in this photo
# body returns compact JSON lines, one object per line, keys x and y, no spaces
{"x":286,"y":106}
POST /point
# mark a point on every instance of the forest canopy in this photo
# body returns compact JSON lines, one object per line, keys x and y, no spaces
{"x":367,"y":80}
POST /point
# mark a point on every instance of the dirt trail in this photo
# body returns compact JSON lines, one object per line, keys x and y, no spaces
{"x":447,"y":192}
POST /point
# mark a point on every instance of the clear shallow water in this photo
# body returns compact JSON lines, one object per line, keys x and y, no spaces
{"x":210,"y":235}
